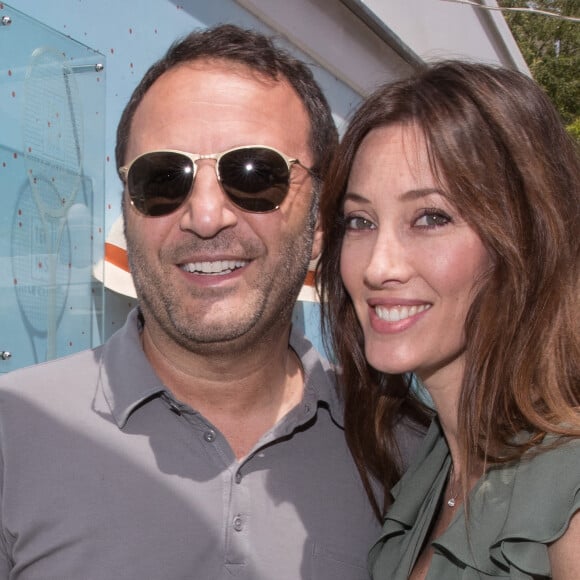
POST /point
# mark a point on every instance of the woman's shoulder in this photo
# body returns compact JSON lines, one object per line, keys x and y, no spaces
{"x":556,"y":459}
{"x":515,"y":511}
{"x":544,"y":497}
{"x":518,"y":510}
{"x":544,"y":488}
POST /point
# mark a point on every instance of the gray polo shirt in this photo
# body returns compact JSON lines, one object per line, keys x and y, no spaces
{"x":104,"y":475}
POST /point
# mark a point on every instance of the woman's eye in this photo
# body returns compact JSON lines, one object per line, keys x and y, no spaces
{"x":432,"y":219}
{"x":358,"y":223}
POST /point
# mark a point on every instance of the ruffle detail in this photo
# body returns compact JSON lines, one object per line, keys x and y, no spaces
{"x":515,"y":513}
{"x":545,"y":496}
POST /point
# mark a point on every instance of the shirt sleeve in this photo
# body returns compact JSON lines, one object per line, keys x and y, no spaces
{"x":545,"y":496}
{"x":5,"y":560}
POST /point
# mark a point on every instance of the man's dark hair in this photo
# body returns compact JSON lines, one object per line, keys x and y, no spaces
{"x":257,"y":52}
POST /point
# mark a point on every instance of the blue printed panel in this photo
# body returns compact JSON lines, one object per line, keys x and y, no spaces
{"x":52,"y":99}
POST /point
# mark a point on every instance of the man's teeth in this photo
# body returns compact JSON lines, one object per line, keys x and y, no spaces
{"x":217,"y":267}
{"x":399,"y":312}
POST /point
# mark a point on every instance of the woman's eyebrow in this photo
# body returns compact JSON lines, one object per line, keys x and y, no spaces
{"x":355,"y":197}
{"x":412,"y":194}
{"x":408,"y":195}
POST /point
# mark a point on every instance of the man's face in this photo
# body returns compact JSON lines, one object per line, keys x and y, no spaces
{"x":210,"y":275}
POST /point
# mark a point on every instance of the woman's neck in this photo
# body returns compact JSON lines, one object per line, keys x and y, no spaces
{"x":444,"y":386}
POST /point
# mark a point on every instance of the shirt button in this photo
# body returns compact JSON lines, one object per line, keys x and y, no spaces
{"x":238,"y":524}
{"x":209,"y":435}
{"x":238,"y":477}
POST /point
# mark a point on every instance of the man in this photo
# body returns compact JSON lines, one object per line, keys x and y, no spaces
{"x":202,"y":440}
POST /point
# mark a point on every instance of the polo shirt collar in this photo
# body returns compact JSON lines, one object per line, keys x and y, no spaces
{"x":320,"y":386}
{"x":128,"y":378}
{"x":129,"y":381}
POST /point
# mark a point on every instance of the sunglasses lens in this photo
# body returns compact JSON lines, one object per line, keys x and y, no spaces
{"x":159,"y":182}
{"x":255,"y":178}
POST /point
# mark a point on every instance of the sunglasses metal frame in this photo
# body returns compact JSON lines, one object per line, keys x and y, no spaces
{"x":195,"y":157}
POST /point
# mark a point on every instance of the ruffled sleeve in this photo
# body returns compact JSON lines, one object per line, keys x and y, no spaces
{"x":516,"y":512}
{"x":546,"y":494}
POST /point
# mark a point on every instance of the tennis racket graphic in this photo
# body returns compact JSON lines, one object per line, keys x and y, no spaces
{"x":29,"y":270}
{"x":52,"y":142}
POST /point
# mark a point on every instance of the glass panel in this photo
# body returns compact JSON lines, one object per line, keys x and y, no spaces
{"x":52,"y":115}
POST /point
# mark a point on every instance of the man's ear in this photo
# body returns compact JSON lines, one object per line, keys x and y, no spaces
{"x":317,"y":242}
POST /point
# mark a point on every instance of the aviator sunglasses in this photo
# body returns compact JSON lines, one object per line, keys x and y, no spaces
{"x":255,"y":178}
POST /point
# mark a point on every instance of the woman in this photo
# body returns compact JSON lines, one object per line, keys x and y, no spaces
{"x":453,"y":215}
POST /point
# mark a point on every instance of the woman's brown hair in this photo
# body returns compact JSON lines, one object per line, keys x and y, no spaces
{"x":498,"y":148}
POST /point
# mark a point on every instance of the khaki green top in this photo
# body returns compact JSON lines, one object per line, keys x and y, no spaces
{"x":516,"y":512}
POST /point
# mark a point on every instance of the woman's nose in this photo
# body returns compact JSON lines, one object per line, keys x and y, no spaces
{"x":389,"y":262}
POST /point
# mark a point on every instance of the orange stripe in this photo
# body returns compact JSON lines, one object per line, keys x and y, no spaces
{"x":116,"y":256}
{"x":309,"y":281}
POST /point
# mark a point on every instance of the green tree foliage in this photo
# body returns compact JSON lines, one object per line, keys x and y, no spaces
{"x":551,"y":48}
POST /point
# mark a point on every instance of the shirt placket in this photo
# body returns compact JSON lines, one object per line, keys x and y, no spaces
{"x":235,"y":493}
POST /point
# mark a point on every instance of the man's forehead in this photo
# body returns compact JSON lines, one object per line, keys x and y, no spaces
{"x":225,"y":79}
{"x":222,"y":82}
{"x":226,"y":67}
{"x":220,"y":97}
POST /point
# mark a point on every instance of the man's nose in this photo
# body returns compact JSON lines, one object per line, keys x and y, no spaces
{"x":208,"y":209}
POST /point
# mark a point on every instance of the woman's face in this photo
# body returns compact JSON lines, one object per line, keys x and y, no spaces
{"x":409,"y":261}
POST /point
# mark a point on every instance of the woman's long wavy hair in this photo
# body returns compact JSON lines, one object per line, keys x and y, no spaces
{"x":498,"y":149}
